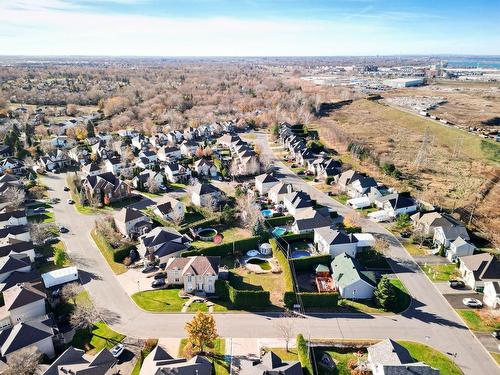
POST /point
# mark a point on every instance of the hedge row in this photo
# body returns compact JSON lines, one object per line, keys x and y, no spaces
{"x":303,"y":352}
{"x":312,"y":300}
{"x":283,"y":262}
{"x":288,"y":238}
{"x":279,"y":220}
{"x":242,"y":299}
{"x":226,"y":248}
{"x":119,"y":254}
{"x":309,"y":263}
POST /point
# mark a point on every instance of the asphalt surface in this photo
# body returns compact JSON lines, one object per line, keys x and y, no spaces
{"x":429,"y":319}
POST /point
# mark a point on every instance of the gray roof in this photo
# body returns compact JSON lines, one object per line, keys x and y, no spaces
{"x":270,"y":364}
{"x":484,"y":266}
{"x":127,"y":214}
{"x":75,"y":361}
{"x":336,"y":237}
{"x":25,"y":334}
{"x":389,"y":352}
{"x":266,"y":177}
{"x":202,"y":189}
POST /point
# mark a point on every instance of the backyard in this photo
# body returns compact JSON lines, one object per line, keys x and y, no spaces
{"x":93,"y":340}
{"x":47,"y":264}
{"x":229,"y":235}
{"x":440,"y":272}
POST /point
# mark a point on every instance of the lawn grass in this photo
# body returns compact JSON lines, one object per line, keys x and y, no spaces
{"x":476,"y":323}
{"x":164,"y":300}
{"x":496,"y":357}
{"x":46,"y":217}
{"x":242,"y":279}
{"x":432,"y":357}
{"x":198,"y":306}
{"x":67,"y":307}
{"x":341,"y":357}
{"x":342,"y":198}
{"x":151,"y":195}
{"x":263,"y":264}
{"x":441,"y":272}
{"x":373,"y":259}
{"x":403,"y":298}
{"x":290,"y":355}
{"x":48,"y":252}
{"x":229,"y":235}
{"x":107,"y":252}
{"x":142,"y":355}
{"x":217,"y":355}
{"x":415,"y":250}
{"x":95,"y":339}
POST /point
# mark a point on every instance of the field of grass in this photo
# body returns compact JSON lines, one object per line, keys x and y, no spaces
{"x":496,"y":357}
{"x":229,"y":235}
{"x":415,"y":249}
{"x":95,"y":339}
{"x":341,"y":357}
{"x":432,"y":357}
{"x":476,"y":322}
{"x":46,"y":217}
{"x":48,"y":251}
{"x":217,"y":355}
{"x":164,"y":300}
{"x":373,"y":259}
{"x":342,"y":198}
{"x":290,"y":355}
{"x":107,"y":252}
{"x":441,"y":272}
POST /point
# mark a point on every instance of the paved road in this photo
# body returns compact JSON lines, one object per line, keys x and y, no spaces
{"x":429,"y":320}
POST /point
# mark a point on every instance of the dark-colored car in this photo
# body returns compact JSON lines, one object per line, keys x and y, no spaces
{"x":159,"y":275}
{"x":63,"y":229}
{"x":158,"y":283}
{"x":66,"y":188}
{"x":456,"y":284}
{"x":406,"y":234}
{"x":496,"y":334}
{"x":147,"y":269}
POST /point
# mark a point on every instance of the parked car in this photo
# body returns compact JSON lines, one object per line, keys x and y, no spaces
{"x":163,"y":188}
{"x":496,"y":334}
{"x":159,"y":275}
{"x":300,"y":173}
{"x":148,"y":268}
{"x":456,"y":284}
{"x":406,"y":234}
{"x":39,"y":210}
{"x":50,"y":240}
{"x":117,"y":350}
{"x":71,"y":201}
{"x":472,"y":302}
{"x":66,"y":188}
{"x":63,"y":229}
{"x":158,"y":283}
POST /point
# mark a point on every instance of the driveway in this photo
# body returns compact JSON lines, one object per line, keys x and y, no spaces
{"x":455,"y":300}
{"x":429,"y":319}
{"x":490,"y":343}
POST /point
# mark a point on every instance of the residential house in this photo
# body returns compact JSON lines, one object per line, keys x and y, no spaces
{"x":204,"y":167}
{"x":19,"y":232}
{"x":308,"y":219}
{"x":427,"y":222}
{"x":114,"y":165}
{"x":105,"y":188}
{"x":491,"y":294}
{"x":13,"y":218}
{"x":328,"y":169}
{"x":479,"y":268}
{"x":390,"y":358}
{"x":176,"y":172}
{"x":248,"y":163}
{"x":140,"y":142}
{"x":351,"y":278}
{"x":55,"y":160}
{"x":36,"y":333}
{"x":195,"y":274}
{"x":12,"y":165}
{"x":79,"y":154}
{"x":142,"y":180}
{"x":278,"y":192}
{"x":335,"y":242}
{"x":444,"y":236}
{"x":459,"y":248}
{"x":399,"y":204}
{"x":62,"y":141}
{"x":304,"y":155}
{"x":168,"y":153}
{"x":297,"y":200}
{"x":132,"y":223}
{"x":206,"y":195}
{"x":264,"y":182}
{"x":76,"y":362}
{"x":23,"y":302}
{"x":18,"y":277}
{"x":163,"y":243}
{"x":12,"y":263}
{"x":348,"y":177}
{"x":150,"y":155}
{"x":158,"y":140}
{"x":159,"y":362}
{"x":11,"y":245}
{"x":170,"y":209}
{"x":188,"y":148}
{"x":361,"y":187}
{"x":92,"y":169}
{"x":227,"y":140}
{"x":270,"y":364}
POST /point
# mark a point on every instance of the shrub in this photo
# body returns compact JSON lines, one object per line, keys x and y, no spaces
{"x":308,"y":263}
{"x":283,"y":262}
{"x":242,"y":299}
{"x":311,"y":300}
{"x":279,"y":220}
{"x":385,"y":294}
{"x":303,"y":353}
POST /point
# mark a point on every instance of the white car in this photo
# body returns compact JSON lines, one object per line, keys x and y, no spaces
{"x":472,"y":302}
{"x":117,"y":350}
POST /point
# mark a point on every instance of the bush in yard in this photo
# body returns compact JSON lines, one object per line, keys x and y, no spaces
{"x":59,"y":256}
{"x":385,"y":295}
{"x":403,"y":221}
{"x":442,"y":251}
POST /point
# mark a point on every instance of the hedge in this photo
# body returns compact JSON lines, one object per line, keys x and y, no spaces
{"x":226,"y":248}
{"x":303,"y":352}
{"x":284,"y":240}
{"x":309,"y":263}
{"x":312,"y":300}
{"x":109,"y":253}
{"x":279,"y":220}
{"x":242,"y":299}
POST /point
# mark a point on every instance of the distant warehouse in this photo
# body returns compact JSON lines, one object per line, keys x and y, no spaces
{"x":398,"y":83}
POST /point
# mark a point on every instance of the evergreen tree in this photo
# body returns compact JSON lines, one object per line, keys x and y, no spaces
{"x":385,"y":295}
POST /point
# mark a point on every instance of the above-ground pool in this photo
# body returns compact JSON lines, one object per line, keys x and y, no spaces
{"x":253,"y":253}
{"x":300,"y":254}
{"x":207,"y":234}
{"x":278,"y":231}
{"x":267,"y":213}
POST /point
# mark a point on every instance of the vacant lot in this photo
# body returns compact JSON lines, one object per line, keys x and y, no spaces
{"x":454,"y":168}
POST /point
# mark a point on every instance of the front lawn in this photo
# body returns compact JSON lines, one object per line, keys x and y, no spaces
{"x":107,"y":252}
{"x":441,"y":272}
{"x":48,"y":251}
{"x":95,"y":339}
{"x":291,"y":355}
{"x":217,"y":355}
{"x":341,"y":198}
{"x":164,"y":300}
{"x":402,"y":296}
{"x":373,"y":259}
{"x":415,"y":249}
{"x":46,"y":217}
{"x":340,"y":356}
{"x":66,"y":307}
{"x":479,"y":320}
{"x":432,"y":357}
{"x":496,"y":357}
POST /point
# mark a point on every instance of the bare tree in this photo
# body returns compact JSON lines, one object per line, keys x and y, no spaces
{"x":14,"y":196}
{"x":41,"y":231}
{"x":84,"y":316}
{"x":24,"y":362}
{"x":70,"y":292}
{"x":381,"y":245}
{"x":285,"y":326}
{"x":153,"y":185}
{"x":177,"y":216}
{"x":249,"y":212}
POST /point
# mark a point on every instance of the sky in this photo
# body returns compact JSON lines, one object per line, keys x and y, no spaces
{"x":249,"y":27}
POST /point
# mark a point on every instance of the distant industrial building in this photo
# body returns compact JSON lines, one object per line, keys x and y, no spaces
{"x":398,"y":83}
